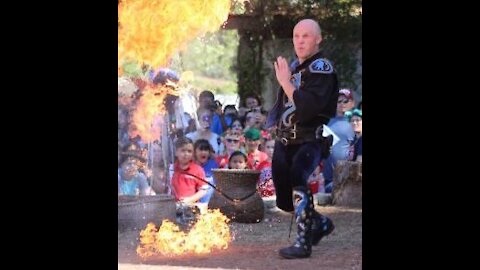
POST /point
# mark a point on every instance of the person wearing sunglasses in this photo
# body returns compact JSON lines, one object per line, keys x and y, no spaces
{"x":232,"y":141}
{"x":342,"y":128}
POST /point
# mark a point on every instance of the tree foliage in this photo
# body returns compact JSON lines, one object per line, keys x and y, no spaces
{"x":341,"y":23}
{"x":212,"y":56}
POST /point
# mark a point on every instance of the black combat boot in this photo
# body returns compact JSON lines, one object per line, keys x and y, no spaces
{"x":321,"y":227}
{"x":303,"y":204}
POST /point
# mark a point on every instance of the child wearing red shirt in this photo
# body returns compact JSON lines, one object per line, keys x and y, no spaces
{"x":186,"y":183}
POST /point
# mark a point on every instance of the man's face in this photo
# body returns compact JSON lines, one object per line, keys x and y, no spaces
{"x":305,"y":40}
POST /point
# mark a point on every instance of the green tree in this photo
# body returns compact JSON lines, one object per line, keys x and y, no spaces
{"x":211,"y":59}
{"x":340,"y":20}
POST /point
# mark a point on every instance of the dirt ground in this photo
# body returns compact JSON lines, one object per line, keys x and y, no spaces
{"x":255,"y":246}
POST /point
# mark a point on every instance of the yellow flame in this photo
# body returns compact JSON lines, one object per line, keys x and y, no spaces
{"x":150,"y":31}
{"x":148,"y":109}
{"x":187,"y":77}
{"x":210,"y":232}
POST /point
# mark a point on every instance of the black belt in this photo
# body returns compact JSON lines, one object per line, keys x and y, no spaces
{"x":296,"y":136}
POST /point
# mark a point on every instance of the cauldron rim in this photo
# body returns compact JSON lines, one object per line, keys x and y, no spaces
{"x":140,"y":199}
{"x":246,"y":171}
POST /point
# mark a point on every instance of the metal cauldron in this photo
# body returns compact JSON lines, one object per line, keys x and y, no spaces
{"x":135,"y":212}
{"x":239,"y":185}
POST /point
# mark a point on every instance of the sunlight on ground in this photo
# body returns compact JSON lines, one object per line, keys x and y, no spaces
{"x":126,"y":266}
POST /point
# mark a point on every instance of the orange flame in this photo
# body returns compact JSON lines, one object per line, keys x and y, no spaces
{"x":150,"y":31}
{"x":150,"y":105}
{"x":209,"y":232}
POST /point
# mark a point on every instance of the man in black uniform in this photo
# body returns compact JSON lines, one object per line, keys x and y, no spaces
{"x":307,"y":100}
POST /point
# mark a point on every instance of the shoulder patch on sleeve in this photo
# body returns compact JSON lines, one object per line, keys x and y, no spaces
{"x":321,"y":66}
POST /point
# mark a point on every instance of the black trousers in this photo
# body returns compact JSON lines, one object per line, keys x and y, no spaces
{"x":291,"y":167}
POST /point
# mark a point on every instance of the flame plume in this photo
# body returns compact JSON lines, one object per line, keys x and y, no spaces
{"x":210,"y":232}
{"x":150,"y":31}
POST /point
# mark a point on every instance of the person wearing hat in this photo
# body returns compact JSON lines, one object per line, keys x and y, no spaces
{"x":306,"y":101}
{"x":355,"y":118}
{"x":252,"y":141}
{"x":344,"y":131}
